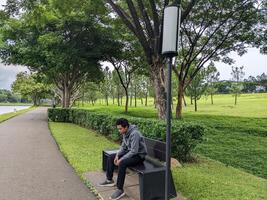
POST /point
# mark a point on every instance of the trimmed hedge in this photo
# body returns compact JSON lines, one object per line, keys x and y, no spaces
{"x":185,"y":135}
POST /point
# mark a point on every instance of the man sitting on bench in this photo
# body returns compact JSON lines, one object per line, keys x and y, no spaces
{"x":132,"y":152}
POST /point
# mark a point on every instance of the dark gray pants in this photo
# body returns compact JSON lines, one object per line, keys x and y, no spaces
{"x":128,"y":162}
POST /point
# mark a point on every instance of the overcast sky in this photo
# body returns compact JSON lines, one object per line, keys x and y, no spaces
{"x":254,"y":64}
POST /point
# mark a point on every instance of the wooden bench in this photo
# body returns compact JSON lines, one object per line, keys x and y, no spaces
{"x":151,"y":172}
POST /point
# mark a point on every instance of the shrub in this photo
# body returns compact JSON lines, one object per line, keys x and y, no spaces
{"x":59,"y":115}
{"x":185,"y":136}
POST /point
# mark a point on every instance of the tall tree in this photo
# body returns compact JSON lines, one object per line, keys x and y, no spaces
{"x":28,"y":85}
{"x":128,"y":60}
{"x":64,"y":42}
{"x":237,"y":76}
{"x":197,"y":87}
{"x":90,"y":92}
{"x":125,"y":66}
{"x":212,"y":30}
{"x":212,"y":77}
{"x":209,"y":31}
{"x":105,"y":85}
{"x":144,"y":19}
{"x":262,"y":81}
{"x":260,"y":29}
{"x":117,"y":85}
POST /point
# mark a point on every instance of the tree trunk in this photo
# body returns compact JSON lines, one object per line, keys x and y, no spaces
{"x":113,"y":99}
{"x":34,"y":99}
{"x":63,"y":97}
{"x":127,"y":100}
{"x":191,"y":98}
{"x":235,"y":99}
{"x":65,"y":93}
{"x":142,"y":101}
{"x":179,"y":105}
{"x":118,"y":99}
{"x":159,"y":84}
{"x":135,"y":100}
{"x":83,"y":100}
{"x":67,"y":98}
{"x":131,"y":98}
{"x":107,"y":100}
{"x":211,"y":96}
{"x":195,"y":104}
{"x":146,"y":100}
{"x":184,"y":101}
{"x":121,"y":99}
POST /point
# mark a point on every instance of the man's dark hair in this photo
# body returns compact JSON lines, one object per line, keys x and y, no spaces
{"x":123,"y":122}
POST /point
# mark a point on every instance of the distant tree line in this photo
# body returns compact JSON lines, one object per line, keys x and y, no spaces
{"x":6,"y":96}
{"x":113,"y":91}
{"x":252,"y":84}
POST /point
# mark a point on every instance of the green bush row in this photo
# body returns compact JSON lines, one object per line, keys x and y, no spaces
{"x":185,"y":135}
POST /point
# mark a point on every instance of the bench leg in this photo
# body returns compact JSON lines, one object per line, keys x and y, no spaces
{"x":152,"y":186}
{"x":105,"y":155}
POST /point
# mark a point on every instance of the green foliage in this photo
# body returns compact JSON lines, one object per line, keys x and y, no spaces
{"x":90,"y":92}
{"x":7,"y":96}
{"x":64,"y":40}
{"x":211,"y":180}
{"x":197,"y":86}
{"x":28,"y":85}
{"x":185,"y":136}
{"x":59,"y":115}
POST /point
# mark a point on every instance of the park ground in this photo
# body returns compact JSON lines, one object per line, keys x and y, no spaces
{"x":231,"y":162}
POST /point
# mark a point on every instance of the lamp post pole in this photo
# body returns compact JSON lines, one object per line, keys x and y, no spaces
{"x":171,"y":24}
{"x":168,"y":128}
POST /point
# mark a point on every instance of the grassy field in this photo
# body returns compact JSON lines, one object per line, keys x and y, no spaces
{"x":236,"y":135}
{"x":15,"y":104}
{"x":7,"y":116}
{"x":206,"y":180}
{"x":248,"y":105}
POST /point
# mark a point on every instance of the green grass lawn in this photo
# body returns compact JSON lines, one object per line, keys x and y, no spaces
{"x":236,"y":135}
{"x":206,"y":180}
{"x":15,"y":104}
{"x":7,"y":116}
{"x":236,"y":141}
{"x":248,"y":105}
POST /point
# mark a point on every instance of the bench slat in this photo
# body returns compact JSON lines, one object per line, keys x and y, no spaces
{"x":156,"y":149}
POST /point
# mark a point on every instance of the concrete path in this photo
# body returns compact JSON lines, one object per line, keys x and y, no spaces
{"x":131,"y":186}
{"x":31,"y":166}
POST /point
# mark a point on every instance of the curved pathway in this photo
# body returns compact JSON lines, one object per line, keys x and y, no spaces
{"x":31,"y":166}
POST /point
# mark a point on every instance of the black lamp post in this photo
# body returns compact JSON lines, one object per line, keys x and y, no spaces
{"x":171,"y":24}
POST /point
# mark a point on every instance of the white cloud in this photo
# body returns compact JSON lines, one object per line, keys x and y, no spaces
{"x":8,"y":74}
{"x":254,"y":64}
{"x":2,"y":2}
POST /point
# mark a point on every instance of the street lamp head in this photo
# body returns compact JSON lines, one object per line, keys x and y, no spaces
{"x":170,"y":30}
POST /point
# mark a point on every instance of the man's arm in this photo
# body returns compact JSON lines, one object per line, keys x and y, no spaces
{"x":123,"y":149}
{"x":135,"y":139}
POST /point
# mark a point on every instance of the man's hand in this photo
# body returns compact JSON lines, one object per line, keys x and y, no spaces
{"x":116,"y":160}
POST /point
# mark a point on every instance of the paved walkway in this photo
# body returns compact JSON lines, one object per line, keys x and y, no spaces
{"x":31,"y":166}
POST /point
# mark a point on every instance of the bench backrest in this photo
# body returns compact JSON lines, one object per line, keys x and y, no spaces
{"x":156,"y":149}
